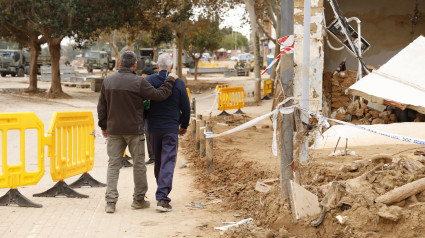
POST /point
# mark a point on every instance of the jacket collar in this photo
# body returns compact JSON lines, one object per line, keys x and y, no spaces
{"x":125,"y":70}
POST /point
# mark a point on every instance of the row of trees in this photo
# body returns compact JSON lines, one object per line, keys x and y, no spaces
{"x":32,"y":23}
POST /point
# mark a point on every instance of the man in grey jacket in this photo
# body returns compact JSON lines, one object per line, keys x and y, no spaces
{"x":120,"y":113}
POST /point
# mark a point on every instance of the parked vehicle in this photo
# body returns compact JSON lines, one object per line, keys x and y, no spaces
{"x":235,"y":58}
{"x":98,"y":60}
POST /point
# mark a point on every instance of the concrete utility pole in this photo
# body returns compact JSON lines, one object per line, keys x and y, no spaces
{"x":306,"y":77}
{"x":287,"y":79}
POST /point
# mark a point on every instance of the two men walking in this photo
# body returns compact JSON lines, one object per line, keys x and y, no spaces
{"x":121,"y":112}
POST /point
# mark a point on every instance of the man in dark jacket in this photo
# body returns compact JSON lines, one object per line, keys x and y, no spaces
{"x":166,"y":121}
{"x":120,"y":113}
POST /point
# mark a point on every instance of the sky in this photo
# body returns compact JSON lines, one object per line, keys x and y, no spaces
{"x":234,"y":18}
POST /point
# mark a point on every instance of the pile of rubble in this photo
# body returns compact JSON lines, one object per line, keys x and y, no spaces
{"x":342,"y":107}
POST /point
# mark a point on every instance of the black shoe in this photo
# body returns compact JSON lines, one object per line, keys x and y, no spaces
{"x":162,"y":206}
{"x":150,"y":161}
{"x":126,"y":163}
{"x":110,"y":207}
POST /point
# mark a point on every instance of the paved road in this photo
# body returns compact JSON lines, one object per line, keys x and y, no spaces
{"x":74,"y":217}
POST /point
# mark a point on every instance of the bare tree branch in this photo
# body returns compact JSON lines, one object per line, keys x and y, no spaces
{"x":265,"y":32}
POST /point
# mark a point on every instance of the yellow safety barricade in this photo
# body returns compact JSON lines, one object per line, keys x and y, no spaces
{"x":267,"y":87}
{"x":14,"y":176}
{"x":221,"y":86}
{"x":188,"y":93}
{"x":73,"y":151}
{"x":231,"y":98}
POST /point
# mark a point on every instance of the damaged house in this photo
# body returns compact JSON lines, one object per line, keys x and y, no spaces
{"x":386,"y":27}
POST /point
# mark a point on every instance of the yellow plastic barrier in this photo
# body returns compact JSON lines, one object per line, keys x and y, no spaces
{"x":267,"y":87}
{"x":188,"y":93}
{"x":231,"y":98}
{"x":72,"y":152}
{"x":14,"y":176}
{"x":221,"y":86}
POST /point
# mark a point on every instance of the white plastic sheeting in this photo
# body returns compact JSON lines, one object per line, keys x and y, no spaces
{"x":401,"y":79}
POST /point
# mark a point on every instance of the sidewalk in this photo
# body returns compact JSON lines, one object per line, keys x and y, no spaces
{"x":86,"y":217}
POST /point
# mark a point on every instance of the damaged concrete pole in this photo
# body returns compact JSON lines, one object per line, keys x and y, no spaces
{"x":202,"y":142}
{"x":193,"y":129}
{"x":193,"y":107}
{"x":198,"y":131}
{"x":403,"y":192}
{"x":209,"y":149}
{"x":287,"y":80}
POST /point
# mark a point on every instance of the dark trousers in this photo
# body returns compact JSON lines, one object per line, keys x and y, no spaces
{"x":148,"y":144}
{"x":164,"y":146}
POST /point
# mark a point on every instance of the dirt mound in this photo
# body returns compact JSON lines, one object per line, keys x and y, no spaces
{"x":346,"y":185}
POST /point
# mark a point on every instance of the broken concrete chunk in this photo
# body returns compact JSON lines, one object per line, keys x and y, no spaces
{"x":392,"y":213}
{"x":262,"y":187}
{"x":351,"y":167}
{"x":303,"y":202}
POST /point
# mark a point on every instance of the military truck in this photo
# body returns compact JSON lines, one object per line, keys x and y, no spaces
{"x":13,"y":62}
{"x":98,"y":60}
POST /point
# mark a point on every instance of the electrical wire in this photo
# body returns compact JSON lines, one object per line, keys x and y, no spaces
{"x":344,"y":23}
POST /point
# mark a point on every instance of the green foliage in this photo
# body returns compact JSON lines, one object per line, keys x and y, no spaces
{"x":233,"y":40}
{"x":201,"y":36}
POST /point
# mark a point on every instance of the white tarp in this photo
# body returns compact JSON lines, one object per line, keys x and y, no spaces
{"x":401,"y":79}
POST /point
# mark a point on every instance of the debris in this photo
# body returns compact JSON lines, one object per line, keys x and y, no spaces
{"x":351,"y":167}
{"x":342,"y":153}
{"x":341,"y":219}
{"x":411,"y":164}
{"x":233,"y":224}
{"x":183,"y":165}
{"x":384,"y":158}
{"x":271,"y":181}
{"x":222,"y":124}
{"x":391,"y":213}
{"x":303,"y":202}
{"x":403,"y":192}
{"x":236,"y":215}
{"x":262,"y":187}
{"x":419,"y":152}
{"x":197,"y":205}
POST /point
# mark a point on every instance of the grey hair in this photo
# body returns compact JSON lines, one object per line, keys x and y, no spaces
{"x":165,"y":61}
{"x":128,"y":59}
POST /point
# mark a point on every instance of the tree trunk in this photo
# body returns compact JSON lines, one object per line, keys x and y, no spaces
{"x":257,"y":74}
{"x":196,"y":68}
{"x":115,"y":54}
{"x":35,"y":51}
{"x":180,"y":37}
{"x":55,"y":54}
{"x":403,"y":192}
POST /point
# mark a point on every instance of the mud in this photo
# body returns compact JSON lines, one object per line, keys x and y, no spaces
{"x":239,"y":163}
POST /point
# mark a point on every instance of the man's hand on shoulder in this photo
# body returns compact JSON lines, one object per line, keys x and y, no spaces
{"x":172,"y":77}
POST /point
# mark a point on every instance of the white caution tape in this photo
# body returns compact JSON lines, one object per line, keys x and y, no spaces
{"x":254,"y":121}
{"x":233,"y":224}
{"x":391,"y":135}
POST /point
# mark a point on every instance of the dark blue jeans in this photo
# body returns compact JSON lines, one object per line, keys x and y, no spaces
{"x":164,"y":146}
